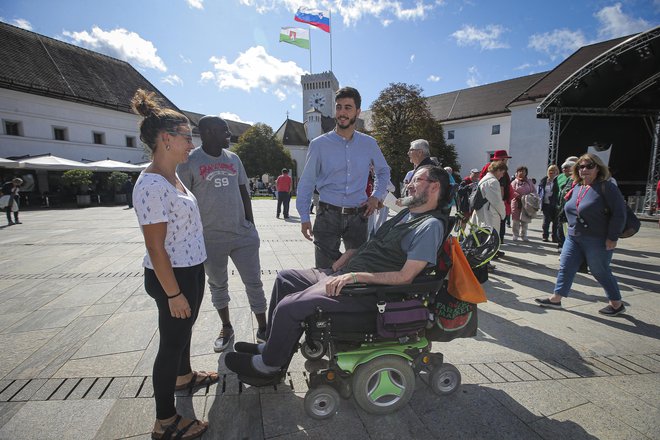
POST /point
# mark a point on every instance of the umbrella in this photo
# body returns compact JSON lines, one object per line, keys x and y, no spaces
{"x":50,"y":162}
{"x":113,"y":165}
{"x":6,"y":163}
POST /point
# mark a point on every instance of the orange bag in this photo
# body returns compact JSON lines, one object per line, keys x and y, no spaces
{"x":463,"y":284}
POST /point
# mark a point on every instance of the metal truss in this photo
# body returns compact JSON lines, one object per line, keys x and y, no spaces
{"x":639,"y":88}
{"x":654,"y":169}
{"x":610,"y":56}
{"x":553,"y":145}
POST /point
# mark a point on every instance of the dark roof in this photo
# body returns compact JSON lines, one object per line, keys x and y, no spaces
{"x":292,"y":133}
{"x":567,"y":67}
{"x":483,"y":100}
{"x":236,"y":128}
{"x":36,"y":64}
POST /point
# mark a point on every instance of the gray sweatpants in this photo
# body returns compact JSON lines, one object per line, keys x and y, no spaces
{"x":296,"y":295}
{"x":244,"y":252}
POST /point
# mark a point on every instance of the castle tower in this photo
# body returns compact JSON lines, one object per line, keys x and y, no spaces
{"x":319,"y":92}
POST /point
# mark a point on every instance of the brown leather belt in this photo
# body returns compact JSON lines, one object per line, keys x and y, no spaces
{"x":347,"y":211}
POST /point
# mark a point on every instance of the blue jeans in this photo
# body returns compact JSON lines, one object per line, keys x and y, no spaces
{"x":575,"y":250}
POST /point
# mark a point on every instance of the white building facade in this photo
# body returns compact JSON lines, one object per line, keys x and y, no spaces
{"x":43,"y":125}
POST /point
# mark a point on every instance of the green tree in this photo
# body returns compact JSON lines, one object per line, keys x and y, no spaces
{"x":400,"y":115}
{"x":261,"y":152}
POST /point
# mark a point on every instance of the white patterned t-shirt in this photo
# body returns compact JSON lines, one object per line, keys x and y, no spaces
{"x":156,"y":201}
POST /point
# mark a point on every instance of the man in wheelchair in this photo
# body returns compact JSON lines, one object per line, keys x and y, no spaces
{"x":401,"y":249}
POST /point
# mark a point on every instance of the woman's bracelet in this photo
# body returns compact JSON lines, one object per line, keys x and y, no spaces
{"x":355,"y":280}
{"x":174,"y":296}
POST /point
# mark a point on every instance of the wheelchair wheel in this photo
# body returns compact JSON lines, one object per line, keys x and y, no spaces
{"x":322,"y":402}
{"x":383,"y":385}
{"x":312,"y":354}
{"x":445,"y":380}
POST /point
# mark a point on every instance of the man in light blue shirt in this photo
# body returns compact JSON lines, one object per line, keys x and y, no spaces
{"x":338,"y":166}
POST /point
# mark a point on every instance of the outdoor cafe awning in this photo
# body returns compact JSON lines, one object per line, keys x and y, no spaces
{"x":114,"y":165}
{"x":55,"y":163}
{"x":50,"y":162}
{"x":6,"y":163}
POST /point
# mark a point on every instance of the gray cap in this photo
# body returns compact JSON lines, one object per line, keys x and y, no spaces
{"x":568,"y":163}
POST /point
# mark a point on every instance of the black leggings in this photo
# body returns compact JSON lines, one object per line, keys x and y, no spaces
{"x":8,"y":211}
{"x":173,"y":358}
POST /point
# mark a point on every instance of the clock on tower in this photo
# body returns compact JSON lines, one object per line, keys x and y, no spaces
{"x":317,"y":100}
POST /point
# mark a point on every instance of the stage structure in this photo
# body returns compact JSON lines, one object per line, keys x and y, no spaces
{"x":613,"y":99}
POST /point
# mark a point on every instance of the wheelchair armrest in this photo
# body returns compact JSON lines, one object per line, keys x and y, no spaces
{"x":421,"y":284}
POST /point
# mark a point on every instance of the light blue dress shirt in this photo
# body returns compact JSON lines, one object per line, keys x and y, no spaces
{"x":339,"y":169}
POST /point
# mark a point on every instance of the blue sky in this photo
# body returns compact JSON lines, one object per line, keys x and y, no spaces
{"x":223,"y":56}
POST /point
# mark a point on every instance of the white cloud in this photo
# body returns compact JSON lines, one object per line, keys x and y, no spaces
{"x":558,"y":43}
{"x":433,"y":78}
{"x":487,"y":38}
{"x":412,"y":57}
{"x":22,"y":23}
{"x":255,"y":69}
{"x":614,"y":23}
{"x":172,"y":80}
{"x":185,"y":59}
{"x":196,"y":4}
{"x":353,"y":11}
{"x":233,"y":117}
{"x":206,"y":76}
{"x":18,"y":22}
{"x":119,"y":43}
{"x":473,"y":77}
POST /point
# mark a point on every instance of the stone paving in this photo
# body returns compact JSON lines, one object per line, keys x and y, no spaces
{"x":78,"y":336}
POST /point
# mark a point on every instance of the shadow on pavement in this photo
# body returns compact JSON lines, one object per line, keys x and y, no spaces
{"x":523,"y":339}
{"x":638,"y":327}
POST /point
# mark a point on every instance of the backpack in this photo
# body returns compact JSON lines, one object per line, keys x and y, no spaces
{"x":477,"y":199}
{"x":463,"y":196}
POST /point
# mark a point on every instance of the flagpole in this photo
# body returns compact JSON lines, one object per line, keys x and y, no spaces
{"x":330,"y":17}
{"x":310,"y":48}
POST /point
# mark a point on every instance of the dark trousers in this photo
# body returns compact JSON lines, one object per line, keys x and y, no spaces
{"x":283,"y":198}
{"x":502,"y":229}
{"x":296,"y":295}
{"x":173,"y":358}
{"x":549,"y":221}
{"x":8,"y":211}
{"x":330,"y":228}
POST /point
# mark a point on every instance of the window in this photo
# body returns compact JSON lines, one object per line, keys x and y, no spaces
{"x":99,"y":138}
{"x":450,"y":134}
{"x":13,"y":128}
{"x":495,"y":129}
{"x":60,"y":134}
{"x":130,"y":141}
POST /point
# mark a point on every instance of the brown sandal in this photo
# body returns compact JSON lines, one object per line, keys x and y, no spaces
{"x":172,"y":430}
{"x":205,"y":379}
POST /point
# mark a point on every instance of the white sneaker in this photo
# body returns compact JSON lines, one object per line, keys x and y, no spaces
{"x":515,"y":238}
{"x":224,"y":339}
{"x":525,"y":239}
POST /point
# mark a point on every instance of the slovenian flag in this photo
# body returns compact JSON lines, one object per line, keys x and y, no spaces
{"x":315,"y":17}
{"x":296,"y":36}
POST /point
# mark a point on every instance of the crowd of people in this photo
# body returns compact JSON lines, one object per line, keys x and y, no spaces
{"x":195,"y":212}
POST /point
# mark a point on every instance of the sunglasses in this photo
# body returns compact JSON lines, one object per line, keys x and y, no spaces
{"x":589,"y":166}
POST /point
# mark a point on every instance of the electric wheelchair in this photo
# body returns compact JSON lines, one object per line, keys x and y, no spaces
{"x":378,"y":367}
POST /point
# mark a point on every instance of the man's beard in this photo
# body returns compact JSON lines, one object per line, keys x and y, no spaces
{"x":350,"y":122}
{"x":415,"y":201}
